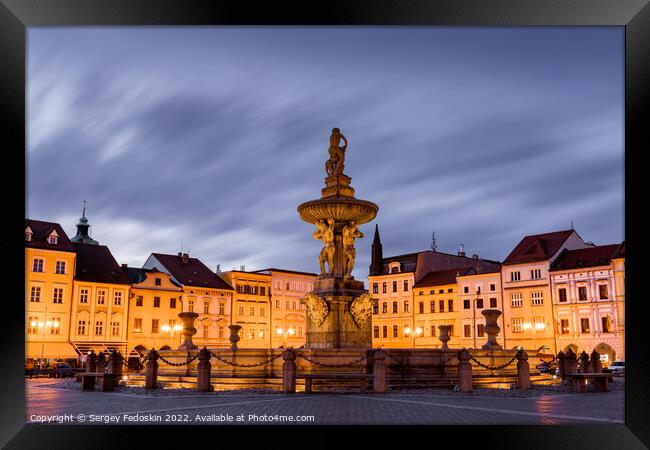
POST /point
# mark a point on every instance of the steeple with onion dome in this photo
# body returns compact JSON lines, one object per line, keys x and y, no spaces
{"x":82,"y":229}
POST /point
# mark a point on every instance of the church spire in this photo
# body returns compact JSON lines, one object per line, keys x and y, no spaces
{"x":82,"y":229}
{"x":377,"y":257}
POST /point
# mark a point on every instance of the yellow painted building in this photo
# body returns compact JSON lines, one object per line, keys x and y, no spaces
{"x":288,"y":322}
{"x":154,"y":304}
{"x":99,"y":301}
{"x":251,"y":307}
{"x":204,"y":293}
{"x":478,"y":291}
{"x":528,"y":307}
{"x":49,"y":268}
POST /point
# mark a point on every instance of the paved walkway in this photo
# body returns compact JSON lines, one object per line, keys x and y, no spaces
{"x":54,"y":402}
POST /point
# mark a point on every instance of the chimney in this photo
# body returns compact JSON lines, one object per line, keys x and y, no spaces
{"x":475,"y":256}
{"x":124,"y":266}
{"x":185,"y":257}
{"x":461,"y":251}
{"x":242,"y":268}
{"x":218,"y":268}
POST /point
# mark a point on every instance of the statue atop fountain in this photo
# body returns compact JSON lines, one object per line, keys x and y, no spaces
{"x":337,"y":308}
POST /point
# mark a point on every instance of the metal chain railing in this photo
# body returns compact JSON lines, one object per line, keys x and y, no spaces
{"x":166,"y":361}
{"x":502,"y":366}
{"x":261,"y":363}
{"x":322,"y":364}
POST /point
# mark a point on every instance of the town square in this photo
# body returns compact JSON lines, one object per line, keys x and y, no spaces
{"x":260,"y":243}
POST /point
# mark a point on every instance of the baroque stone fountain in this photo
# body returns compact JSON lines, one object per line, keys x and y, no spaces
{"x":339,"y":308}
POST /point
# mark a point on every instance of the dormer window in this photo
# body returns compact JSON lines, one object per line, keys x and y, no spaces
{"x":394,"y":267}
{"x":53,"y":238}
{"x":28,"y":234}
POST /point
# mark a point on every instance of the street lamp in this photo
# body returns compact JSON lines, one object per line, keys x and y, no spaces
{"x":51,"y":324}
{"x":280,"y":332}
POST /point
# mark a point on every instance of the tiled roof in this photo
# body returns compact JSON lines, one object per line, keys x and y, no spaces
{"x":40,"y":232}
{"x":194,"y":273}
{"x":538,"y":247}
{"x":96,"y":263}
{"x":585,"y":257}
{"x":273,"y":269}
{"x":137,"y":275}
{"x":620,"y":252}
{"x":440,"y":277}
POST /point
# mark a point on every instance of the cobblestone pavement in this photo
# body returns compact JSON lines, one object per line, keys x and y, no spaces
{"x":58,"y":402}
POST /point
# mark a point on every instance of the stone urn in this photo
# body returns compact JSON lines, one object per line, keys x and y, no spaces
{"x":491,"y":329}
{"x":188,"y":319}
{"x":234,"y":336}
{"x":444,"y":336}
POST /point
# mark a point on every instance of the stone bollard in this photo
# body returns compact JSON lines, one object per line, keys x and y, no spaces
{"x":464,"y":372}
{"x":595,"y":366}
{"x":151,"y":370}
{"x":203,"y":371}
{"x":91,"y":362}
{"x":523,"y":370}
{"x":379,"y":372}
{"x":101,"y":362}
{"x":584,"y":362}
{"x":561,"y":361}
{"x":570,"y":363}
{"x":289,"y":371}
{"x":114,"y":363}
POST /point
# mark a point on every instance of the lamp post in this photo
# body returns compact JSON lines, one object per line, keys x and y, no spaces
{"x":539,"y":326}
{"x":48,"y":324}
{"x":171,"y":329}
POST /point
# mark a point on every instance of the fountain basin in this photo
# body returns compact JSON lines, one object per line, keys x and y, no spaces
{"x":340,"y":209}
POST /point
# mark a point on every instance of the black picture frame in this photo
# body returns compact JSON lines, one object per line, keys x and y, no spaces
{"x":634,"y":15}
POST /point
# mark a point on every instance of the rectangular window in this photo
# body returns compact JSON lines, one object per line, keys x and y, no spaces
{"x":83,"y":296}
{"x":561,"y":294}
{"x":493,"y":302}
{"x":450,"y":291}
{"x":375,"y":331}
{"x":155,"y":325}
{"x":58,"y":295}
{"x":35,"y":295}
{"x":515,"y":276}
{"x":206,"y":331}
{"x":451,"y":305}
{"x":394,"y":330}
{"x":172,"y":303}
{"x":433,"y":331}
{"x":252,"y":311}
{"x":293,"y":305}
{"x":607,"y":325}
{"x":137,"y":325}
{"x":241,"y":310}
{"x":479,"y":330}
{"x":117,"y":300}
{"x":38,"y":265}
{"x":433,"y":306}
{"x":277,"y":304}
{"x":384,"y":308}
{"x":406,"y":307}
{"x":190,"y":305}
{"x":262,"y":311}
{"x":584,"y":325}
{"x":206,"y":306}
{"x":582,"y":293}
{"x":375,"y":288}
{"x":467,"y":331}
{"x":517,"y":323}
{"x":493,"y":287}
{"x":99,"y":327}
{"x":515,"y":300}
{"x":441,"y":306}
{"x":158,"y":281}
{"x":156,"y":302}
{"x":564,"y":326}
{"x":406,"y":285}
{"x":251,"y":333}
{"x":451,"y":330}
{"x":421,"y":293}
{"x":32,"y":325}
{"x":602,"y":290}
{"x":394,"y":307}
{"x":536,"y":274}
{"x":478,"y":290}
{"x":60,"y":267}
{"x":115,"y":328}
{"x":537,"y":299}
{"x":421,"y":307}
{"x":375,"y":308}
{"x":384,"y":331}
{"x":220,"y":332}
{"x":394,"y":286}
{"x":101,"y":297}
{"x":139,"y":300}
{"x":383,"y":287}
{"x":262,"y":290}
{"x":479,"y":303}
{"x":81,"y":327}
{"x":467,"y":304}
{"x":466,"y":289}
